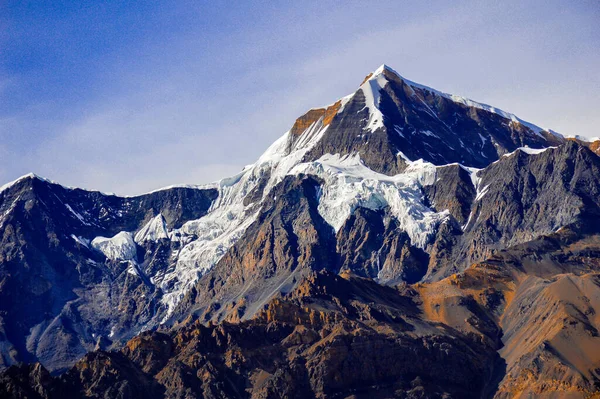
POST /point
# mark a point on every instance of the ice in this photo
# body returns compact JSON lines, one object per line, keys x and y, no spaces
{"x":228,"y":218}
{"x":120,"y":247}
{"x":154,"y":230}
{"x":349,"y":184}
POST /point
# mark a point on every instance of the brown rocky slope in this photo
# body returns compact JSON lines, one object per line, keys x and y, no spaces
{"x":522,"y":324}
{"x":499,"y":299}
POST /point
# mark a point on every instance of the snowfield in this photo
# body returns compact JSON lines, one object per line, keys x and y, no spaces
{"x":120,"y":247}
{"x":348,"y":185}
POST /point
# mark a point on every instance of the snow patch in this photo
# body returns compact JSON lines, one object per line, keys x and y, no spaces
{"x":399,"y":130}
{"x":480,"y":194}
{"x":371,"y":89}
{"x":429,"y":133}
{"x":529,"y":151}
{"x":206,"y":240}
{"x":154,"y":230}
{"x":349,"y":184}
{"x":81,"y":241}
{"x":475,"y":180}
{"x":464,"y":227}
{"x":378,"y":76}
{"x":483,"y":140}
{"x":120,"y":247}
{"x":580,"y":138}
{"x":10,"y":209}
{"x":77,"y":215}
{"x":133,"y":269}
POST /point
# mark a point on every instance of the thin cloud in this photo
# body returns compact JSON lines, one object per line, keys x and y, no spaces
{"x":209,"y":101}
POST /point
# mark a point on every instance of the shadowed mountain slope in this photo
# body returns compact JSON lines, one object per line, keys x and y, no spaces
{"x":401,"y":242}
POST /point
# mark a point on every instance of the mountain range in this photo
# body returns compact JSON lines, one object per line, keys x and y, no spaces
{"x":400,"y":242}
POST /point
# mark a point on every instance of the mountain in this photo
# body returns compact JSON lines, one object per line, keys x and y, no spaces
{"x":64,"y":288}
{"x":401,"y":242}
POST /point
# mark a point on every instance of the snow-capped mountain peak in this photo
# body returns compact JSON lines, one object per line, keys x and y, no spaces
{"x":374,"y":149}
{"x":396,"y":182}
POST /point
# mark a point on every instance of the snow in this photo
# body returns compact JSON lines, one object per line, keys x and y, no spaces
{"x":31,"y":176}
{"x":378,"y":80}
{"x":343,"y":101}
{"x":133,"y":269}
{"x":108,"y":194}
{"x":12,"y":183}
{"x":533,"y":151}
{"x":401,"y":155}
{"x":429,"y":133}
{"x":483,"y":139}
{"x":77,"y":215}
{"x":228,"y":218}
{"x":481,"y":193}
{"x":529,"y":151}
{"x":371,"y":89}
{"x":349,"y":184}
{"x":464,"y":227}
{"x":10,"y":209}
{"x":399,"y":130}
{"x":80,"y":240}
{"x":275,"y":152}
{"x":154,"y":230}
{"x":34,"y":176}
{"x":470,"y":103}
{"x":580,"y":138}
{"x":475,"y":180}
{"x":189,"y":186}
{"x":120,"y":247}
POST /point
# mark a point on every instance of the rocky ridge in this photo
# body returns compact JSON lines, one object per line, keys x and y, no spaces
{"x":397,"y":190}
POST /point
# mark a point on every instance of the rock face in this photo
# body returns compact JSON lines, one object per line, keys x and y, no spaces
{"x":401,"y":242}
{"x":288,"y":239}
{"x":58,"y":294}
{"x":390,"y":114}
{"x":330,"y":336}
{"x":518,"y":198}
{"x":519,"y":324}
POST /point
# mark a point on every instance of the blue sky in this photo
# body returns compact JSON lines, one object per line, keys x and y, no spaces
{"x":131,"y":96}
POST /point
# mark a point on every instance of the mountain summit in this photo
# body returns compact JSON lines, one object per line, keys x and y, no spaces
{"x":389,"y":245}
{"x":390,"y":119}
